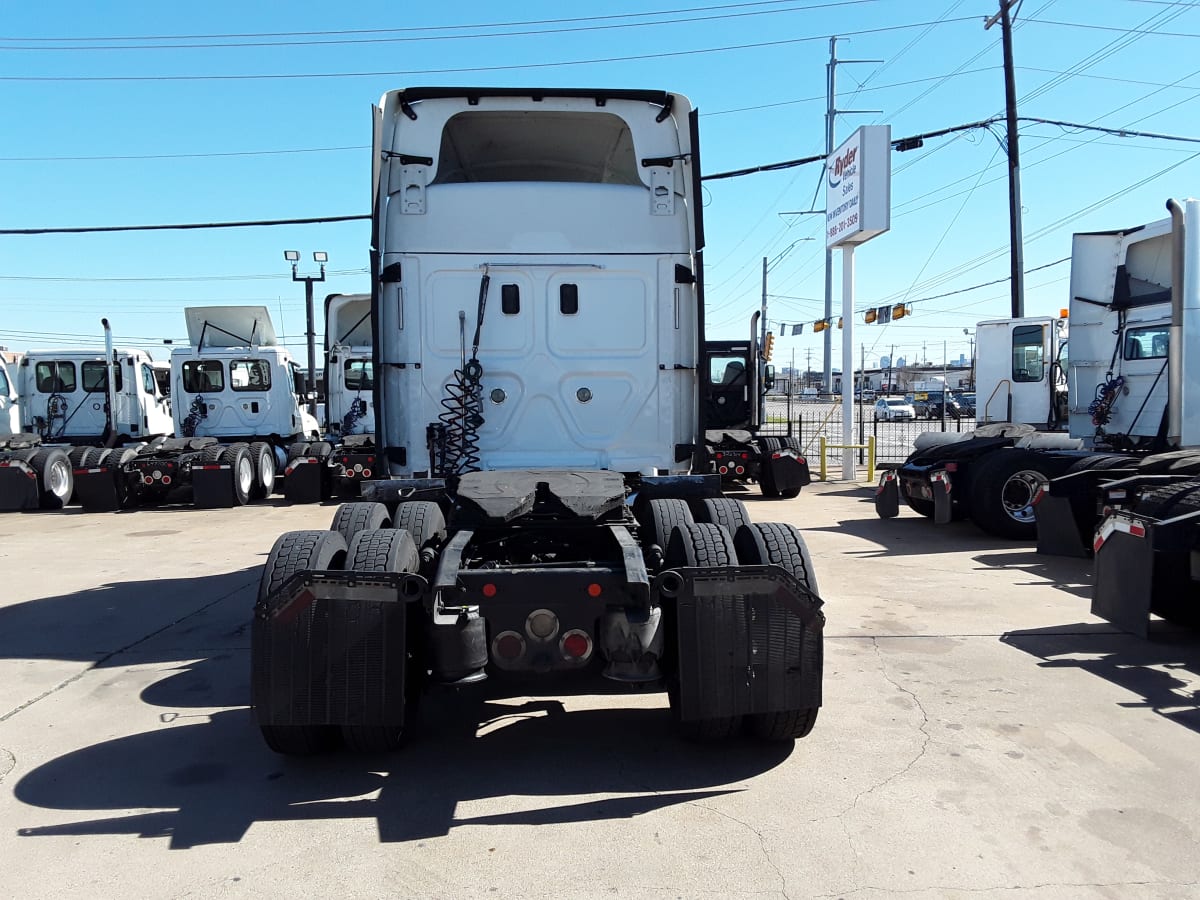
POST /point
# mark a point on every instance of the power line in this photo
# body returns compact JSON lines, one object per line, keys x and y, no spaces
{"x":229,"y":44}
{"x":261,"y":223}
{"x":668,"y":54}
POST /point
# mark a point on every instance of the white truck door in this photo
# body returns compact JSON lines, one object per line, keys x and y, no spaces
{"x":9,"y":417}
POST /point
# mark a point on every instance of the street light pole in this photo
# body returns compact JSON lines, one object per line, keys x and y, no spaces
{"x":319,"y":256}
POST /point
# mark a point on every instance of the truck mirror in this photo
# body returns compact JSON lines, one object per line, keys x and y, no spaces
{"x":768,"y":378}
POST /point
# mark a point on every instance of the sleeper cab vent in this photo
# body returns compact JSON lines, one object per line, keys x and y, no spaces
{"x":568,"y":299}
{"x":510,"y":299}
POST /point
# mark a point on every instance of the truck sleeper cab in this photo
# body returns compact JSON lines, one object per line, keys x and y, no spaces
{"x":538,"y":328}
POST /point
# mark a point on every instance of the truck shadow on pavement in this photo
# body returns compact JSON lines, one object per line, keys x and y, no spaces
{"x":213,"y":779}
{"x":207,"y":775}
{"x":1163,"y":672}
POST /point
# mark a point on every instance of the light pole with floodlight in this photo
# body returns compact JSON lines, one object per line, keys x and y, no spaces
{"x":319,"y":256}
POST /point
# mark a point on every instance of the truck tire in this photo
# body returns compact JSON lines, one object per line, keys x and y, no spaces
{"x":351,"y":518}
{"x":1003,"y":485}
{"x":779,"y":545}
{"x":241,"y":470}
{"x":423,"y":520}
{"x":727,"y":512}
{"x":382,"y":550}
{"x":262,"y":457}
{"x":211,"y":454}
{"x":709,"y":546}
{"x":77,"y":455}
{"x":320,"y":449}
{"x":56,"y":477}
{"x":1098,"y":461}
{"x":297,"y":450}
{"x":1174,"y":462}
{"x":659,"y":519}
{"x":298,"y":551}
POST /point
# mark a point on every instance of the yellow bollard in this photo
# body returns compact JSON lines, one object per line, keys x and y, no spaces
{"x":822,"y":445}
{"x":871,"y":459}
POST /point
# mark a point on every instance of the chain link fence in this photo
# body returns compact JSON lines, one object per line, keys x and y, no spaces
{"x":808,"y":420}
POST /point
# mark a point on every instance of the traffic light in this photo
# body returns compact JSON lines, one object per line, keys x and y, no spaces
{"x":768,"y":346}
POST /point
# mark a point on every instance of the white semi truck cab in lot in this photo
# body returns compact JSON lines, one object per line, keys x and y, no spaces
{"x":537,"y":317}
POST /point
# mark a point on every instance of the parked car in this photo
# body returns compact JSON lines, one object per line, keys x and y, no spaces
{"x":893,"y":409}
{"x":931,"y":406}
{"x":967,"y":402}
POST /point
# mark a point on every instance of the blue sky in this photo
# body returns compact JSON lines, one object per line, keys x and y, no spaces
{"x":137,"y":113}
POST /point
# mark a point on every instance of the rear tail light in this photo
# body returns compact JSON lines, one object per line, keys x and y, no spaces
{"x":166,"y":479}
{"x":576,"y":644}
{"x":508,"y":645}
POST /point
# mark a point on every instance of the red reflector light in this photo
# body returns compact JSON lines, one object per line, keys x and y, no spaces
{"x":593,"y":590}
{"x":366,"y":473}
{"x":148,"y":480}
{"x":489,"y":590}
{"x":720,"y":456}
{"x":745,"y":456}
{"x":508,"y":645}
{"x":951,"y":467}
{"x":345,"y":459}
{"x":576,"y":645}
{"x":723,"y":470}
{"x":740,"y":470}
{"x":166,"y":479}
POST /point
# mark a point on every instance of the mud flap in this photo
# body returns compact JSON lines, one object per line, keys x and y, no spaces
{"x":97,"y":489}
{"x":1059,"y":525}
{"x":304,"y":480}
{"x":749,"y":640}
{"x":329,"y":648}
{"x":887,"y":496}
{"x":212,"y":487}
{"x":784,"y":472}
{"x":1127,"y":580}
{"x":939,"y":484}
{"x":18,"y":487}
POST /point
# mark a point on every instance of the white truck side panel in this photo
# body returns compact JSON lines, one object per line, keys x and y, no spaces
{"x":10,"y":419}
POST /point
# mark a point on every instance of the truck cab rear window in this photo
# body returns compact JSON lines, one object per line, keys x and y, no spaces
{"x":54,"y":377}
{"x":250,"y":375}
{"x":1029,"y":353}
{"x":203,"y":375}
{"x":727,"y":371}
{"x":1147,"y":343}
{"x":516,"y":145}
{"x":4,"y":387}
{"x":360,"y":375}
{"x":95,"y":377}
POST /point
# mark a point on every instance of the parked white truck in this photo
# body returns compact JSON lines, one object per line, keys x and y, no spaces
{"x":1122,"y":483}
{"x":75,"y":408}
{"x":537,"y":303}
{"x":10,"y":418}
{"x":237,"y":404}
{"x":347,"y":455}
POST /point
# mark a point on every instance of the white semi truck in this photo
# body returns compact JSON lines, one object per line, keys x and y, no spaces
{"x":537,"y":306}
{"x":347,"y":455}
{"x":72,"y":408}
{"x":237,"y":403}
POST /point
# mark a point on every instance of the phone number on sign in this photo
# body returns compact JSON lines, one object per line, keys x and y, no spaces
{"x":846,"y":224}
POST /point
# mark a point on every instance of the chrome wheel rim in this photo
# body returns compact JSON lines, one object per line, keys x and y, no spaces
{"x":245,"y":475}
{"x":58,"y":478}
{"x":1018,"y":493}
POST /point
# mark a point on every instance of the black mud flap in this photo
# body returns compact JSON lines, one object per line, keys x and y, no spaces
{"x":784,"y":472}
{"x":330,"y":648}
{"x":940,"y":485}
{"x":212,"y":487}
{"x":18,"y":487}
{"x":887,"y":496}
{"x":97,"y":488}
{"x":1142,"y":562}
{"x":304,"y":480}
{"x":749,"y":639}
{"x":1059,"y":525}
{"x":1123,"y":581}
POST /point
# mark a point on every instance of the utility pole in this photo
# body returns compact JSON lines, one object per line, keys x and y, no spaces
{"x":321,"y":257}
{"x":1015,"y":237}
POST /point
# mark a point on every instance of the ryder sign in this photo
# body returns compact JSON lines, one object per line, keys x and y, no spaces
{"x":858,"y":187}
